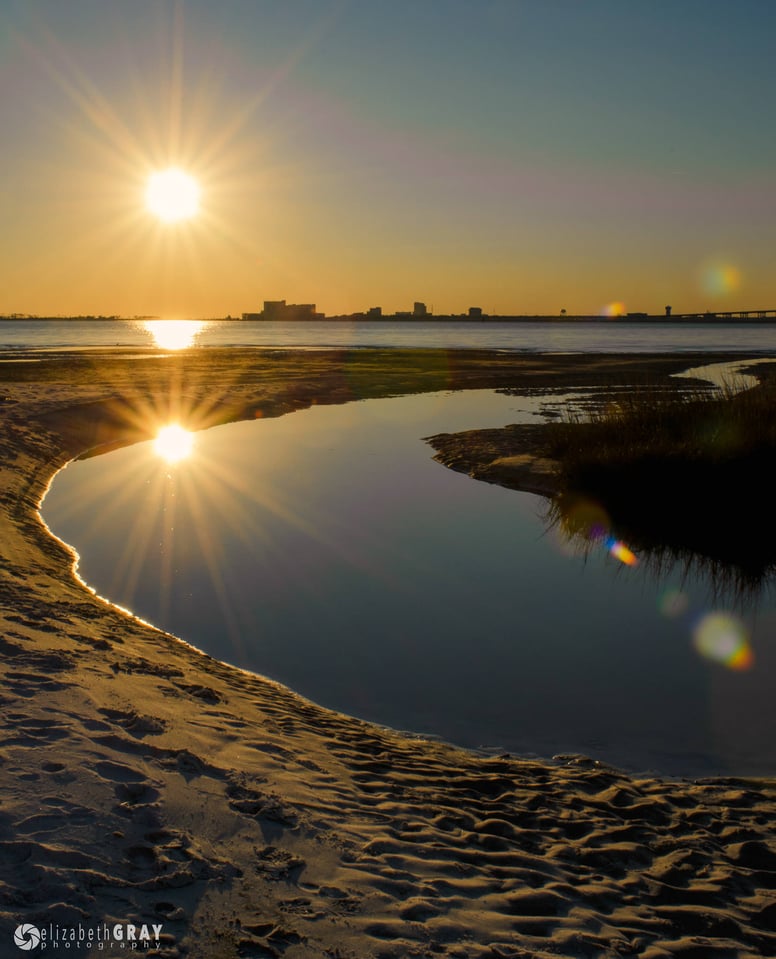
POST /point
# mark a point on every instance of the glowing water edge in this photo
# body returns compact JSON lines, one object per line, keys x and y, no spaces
{"x":327,"y":550}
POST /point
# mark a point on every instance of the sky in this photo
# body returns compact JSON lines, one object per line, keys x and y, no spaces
{"x":523,"y":156}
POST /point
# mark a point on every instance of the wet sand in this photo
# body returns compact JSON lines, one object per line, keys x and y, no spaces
{"x":144,"y":782}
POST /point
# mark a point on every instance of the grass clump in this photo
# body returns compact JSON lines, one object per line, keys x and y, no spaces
{"x":687,"y":427}
{"x":680,"y":475}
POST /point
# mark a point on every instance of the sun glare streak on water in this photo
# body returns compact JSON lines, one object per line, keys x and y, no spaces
{"x":174,"y":334}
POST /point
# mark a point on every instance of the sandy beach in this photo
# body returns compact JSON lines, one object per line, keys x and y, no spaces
{"x":148,"y":786}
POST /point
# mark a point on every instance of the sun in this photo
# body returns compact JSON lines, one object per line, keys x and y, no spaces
{"x":173,"y":443}
{"x":172,"y":195}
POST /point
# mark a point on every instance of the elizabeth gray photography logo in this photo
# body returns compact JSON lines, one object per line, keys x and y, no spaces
{"x":126,"y":936}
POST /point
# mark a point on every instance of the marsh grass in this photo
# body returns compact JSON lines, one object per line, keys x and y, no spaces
{"x":687,"y":426}
{"x":683,"y":476}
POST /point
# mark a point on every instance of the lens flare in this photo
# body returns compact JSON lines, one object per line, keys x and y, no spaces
{"x":722,"y":638}
{"x":673,"y":603}
{"x":585,"y":520}
{"x":616,"y":308}
{"x":719,"y":278}
{"x":584,"y":517}
{"x":620,"y":551}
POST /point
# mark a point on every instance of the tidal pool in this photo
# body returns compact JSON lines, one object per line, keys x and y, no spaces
{"x":327,"y":550}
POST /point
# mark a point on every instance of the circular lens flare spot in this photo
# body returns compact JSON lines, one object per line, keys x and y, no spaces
{"x":584,"y":518}
{"x":673,"y":603}
{"x":173,"y":443}
{"x":722,"y":638}
{"x":719,"y":278}
{"x":172,"y":195}
{"x":616,"y":308}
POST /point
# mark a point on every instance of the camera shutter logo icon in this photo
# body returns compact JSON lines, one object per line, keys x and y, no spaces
{"x":27,"y":936}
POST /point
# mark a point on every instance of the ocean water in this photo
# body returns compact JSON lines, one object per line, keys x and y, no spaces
{"x":607,"y":336}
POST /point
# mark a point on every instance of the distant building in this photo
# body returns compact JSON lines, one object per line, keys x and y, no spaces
{"x":280,"y":310}
{"x":374,"y":311}
{"x":419,"y":309}
{"x":273,"y":309}
{"x":301,"y":311}
{"x":475,"y":312}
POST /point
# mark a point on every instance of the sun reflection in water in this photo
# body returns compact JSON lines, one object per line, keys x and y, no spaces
{"x":173,"y":443}
{"x":174,"y":334}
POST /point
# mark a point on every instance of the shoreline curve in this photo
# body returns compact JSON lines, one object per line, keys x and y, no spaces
{"x":142,"y":778}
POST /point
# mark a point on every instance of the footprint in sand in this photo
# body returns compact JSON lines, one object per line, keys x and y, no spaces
{"x":118,"y":772}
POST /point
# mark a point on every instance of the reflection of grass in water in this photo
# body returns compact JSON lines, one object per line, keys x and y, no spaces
{"x":738,"y":574}
{"x":685,"y":478}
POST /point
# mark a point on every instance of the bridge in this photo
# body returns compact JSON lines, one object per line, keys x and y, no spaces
{"x":727,"y":315}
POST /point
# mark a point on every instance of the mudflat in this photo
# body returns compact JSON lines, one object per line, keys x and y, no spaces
{"x":146,"y":786}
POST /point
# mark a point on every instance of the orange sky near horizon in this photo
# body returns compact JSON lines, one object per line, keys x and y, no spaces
{"x":353,"y":160}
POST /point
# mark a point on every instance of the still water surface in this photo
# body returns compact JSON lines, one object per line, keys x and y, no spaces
{"x":327,"y":550}
{"x":555,"y":337}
